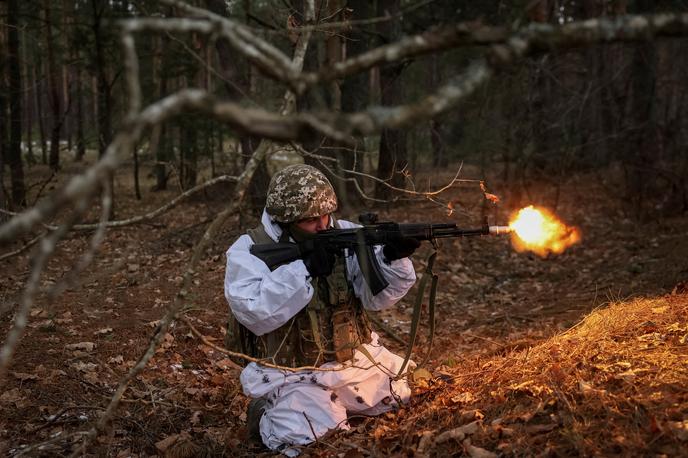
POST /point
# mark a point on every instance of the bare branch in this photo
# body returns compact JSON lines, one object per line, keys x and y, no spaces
{"x":21,"y":249}
{"x":438,"y":39}
{"x":342,"y":25}
{"x":240,"y":191}
{"x":43,"y":252}
{"x":429,"y":195}
{"x":251,"y":121}
{"x":159,"y":211}
{"x":258,"y":51}
{"x":87,"y":257}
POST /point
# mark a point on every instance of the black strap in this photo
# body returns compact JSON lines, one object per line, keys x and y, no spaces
{"x":428,"y":274}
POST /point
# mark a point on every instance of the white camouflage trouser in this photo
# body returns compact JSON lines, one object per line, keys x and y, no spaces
{"x":301,"y":404}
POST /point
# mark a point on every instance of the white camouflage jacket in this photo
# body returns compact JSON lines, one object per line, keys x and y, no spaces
{"x":263,"y":300}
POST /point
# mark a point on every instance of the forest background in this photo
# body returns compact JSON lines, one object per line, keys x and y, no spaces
{"x":137,"y":139}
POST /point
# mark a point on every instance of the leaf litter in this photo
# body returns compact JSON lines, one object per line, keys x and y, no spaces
{"x":500,"y":361}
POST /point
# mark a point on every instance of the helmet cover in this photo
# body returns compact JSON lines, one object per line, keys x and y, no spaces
{"x":299,"y":191}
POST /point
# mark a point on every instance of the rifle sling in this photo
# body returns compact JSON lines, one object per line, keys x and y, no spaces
{"x":417,"y":309}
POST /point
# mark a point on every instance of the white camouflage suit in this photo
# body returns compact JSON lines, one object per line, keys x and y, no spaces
{"x":303,"y":402}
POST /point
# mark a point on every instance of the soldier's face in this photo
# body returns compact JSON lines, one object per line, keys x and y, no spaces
{"x":313,"y":225}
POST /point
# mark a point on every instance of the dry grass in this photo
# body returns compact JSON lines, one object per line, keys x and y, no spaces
{"x":615,"y":384}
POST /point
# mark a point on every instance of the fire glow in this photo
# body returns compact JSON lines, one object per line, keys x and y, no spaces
{"x":538,"y":230}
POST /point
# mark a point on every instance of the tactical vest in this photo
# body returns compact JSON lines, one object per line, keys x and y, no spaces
{"x":329,"y":328}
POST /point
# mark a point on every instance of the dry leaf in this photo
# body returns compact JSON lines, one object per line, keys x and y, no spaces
{"x":102,"y":331}
{"x":464,"y":397}
{"x":492,"y":198}
{"x":424,"y":443}
{"x":587,"y":390}
{"x":84,"y":367}
{"x":627,"y":376}
{"x":119,"y":359}
{"x":24,"y":377}
{"x":458,"y":433}
{"x":10,"y":396}
{"x":679,"y":429}
{"x":225,"y":364}
{"x":537,"y":429}
{"x":477,"y":452}
{"x":469,"y":415}
{"x":165,"y":443}
{"x":167,"y":341}
{"x":421,"y":374}
{"x":83,"y":346}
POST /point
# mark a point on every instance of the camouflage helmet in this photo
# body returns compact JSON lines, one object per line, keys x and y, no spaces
{"x":299,"y":191}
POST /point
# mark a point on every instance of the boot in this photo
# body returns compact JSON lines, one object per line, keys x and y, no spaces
{"x":255,"y":411}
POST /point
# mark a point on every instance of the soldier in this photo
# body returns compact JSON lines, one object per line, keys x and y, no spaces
{"x":311,"y":312}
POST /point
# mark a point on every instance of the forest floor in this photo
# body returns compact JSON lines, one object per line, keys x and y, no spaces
{"x":583,"y":353}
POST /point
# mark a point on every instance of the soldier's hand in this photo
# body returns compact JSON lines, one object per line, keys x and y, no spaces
{"x":319,"y":261}
{"x":403,"y":247}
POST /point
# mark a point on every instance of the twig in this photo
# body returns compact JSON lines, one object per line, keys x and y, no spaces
{"x":54,"y":418}
{"x":411,"y":192}
{"x":310,"y":425}
{"x":261,"y":361}
{"x":388,"y":331}
{"x":23,"y":248}
{"x":43,"y":185}
{"x":86,"y":258}
{"x":54,"y":440}
{"x":154,"y":214}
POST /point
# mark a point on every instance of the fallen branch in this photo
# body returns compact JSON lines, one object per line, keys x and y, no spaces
{"x":159,"y":211}
{"x":21,"y":249}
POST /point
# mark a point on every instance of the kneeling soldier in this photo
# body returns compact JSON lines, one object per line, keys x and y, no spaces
{"x":311,"y":312}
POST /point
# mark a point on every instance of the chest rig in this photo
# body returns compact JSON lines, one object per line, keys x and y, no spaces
{"x":329,"y":328}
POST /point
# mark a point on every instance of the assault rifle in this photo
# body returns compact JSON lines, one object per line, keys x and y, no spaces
{"x":361,"y":240}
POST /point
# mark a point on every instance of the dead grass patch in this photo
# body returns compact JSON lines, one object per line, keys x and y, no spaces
{"x":614,"y":384}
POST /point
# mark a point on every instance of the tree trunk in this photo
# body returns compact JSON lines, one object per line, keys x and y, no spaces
{"x":188,"y":153}
{"x":642,"y":139}
{"x":439,"y":154}
{"x":14,"y":158}
{"x":55,"y":105}
{"x":103,"y":96}
{"x":159,"y":141}
{"x":38,"y":103}
{"x":4,"y":145}
{"x":355,"y":89}
{"x":137,"y":185}
{"x":67,"y":14}
{"x":393,"y":154}
{"x":80,"y":142}
{"x":236,"y":85}
{"x":103,"y":101}
{"x":26,"y":103}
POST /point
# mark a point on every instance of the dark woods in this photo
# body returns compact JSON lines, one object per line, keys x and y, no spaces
{"x":618,"y":110}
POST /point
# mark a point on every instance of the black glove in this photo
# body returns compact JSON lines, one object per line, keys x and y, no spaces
{"x":319,"y":261}
{"x":403,"y":247}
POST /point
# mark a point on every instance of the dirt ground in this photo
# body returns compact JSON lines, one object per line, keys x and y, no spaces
{"x":492,"y":300}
